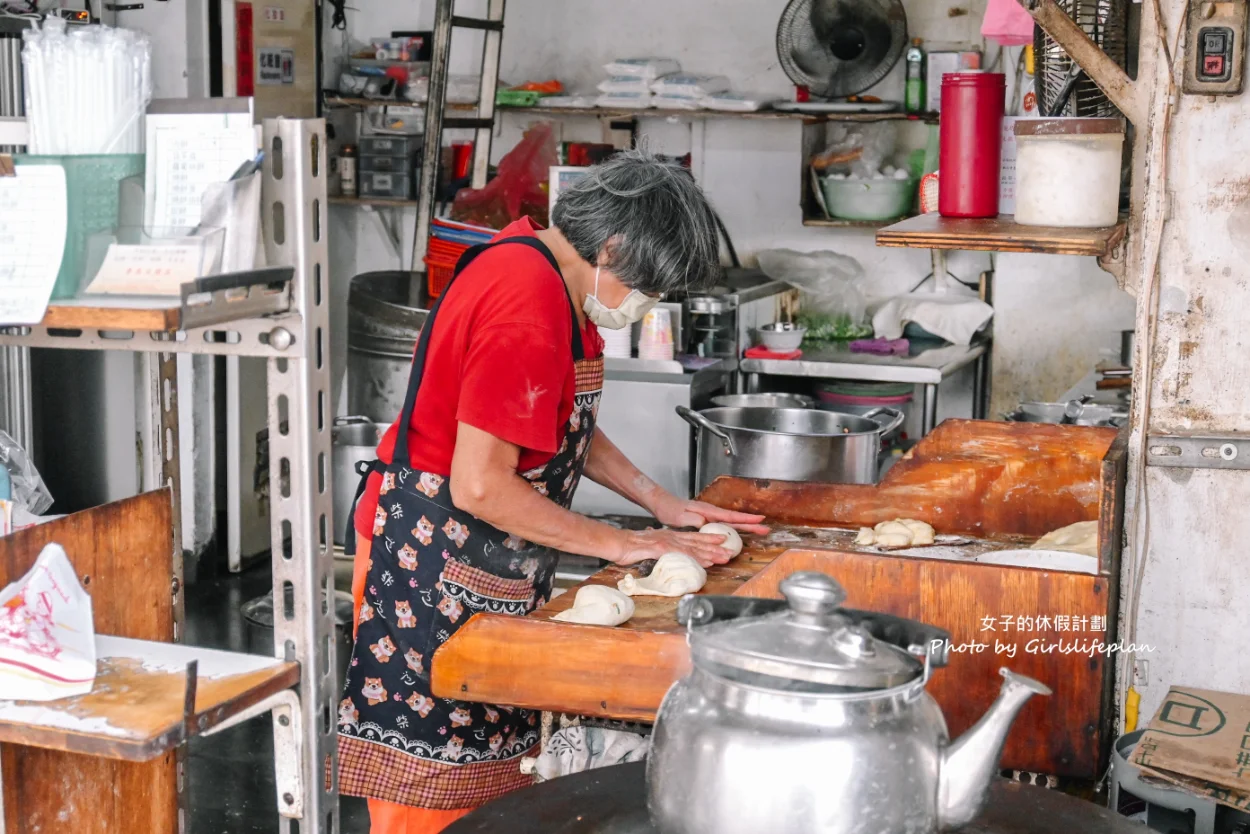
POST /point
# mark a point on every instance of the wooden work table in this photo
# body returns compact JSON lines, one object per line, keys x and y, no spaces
{"x":995,"y":486}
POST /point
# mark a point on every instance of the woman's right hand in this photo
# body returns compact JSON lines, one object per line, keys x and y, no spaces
{"x":640,"y":545}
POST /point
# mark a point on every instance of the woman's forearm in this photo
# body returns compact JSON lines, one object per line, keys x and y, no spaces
{"x":607,"y":466}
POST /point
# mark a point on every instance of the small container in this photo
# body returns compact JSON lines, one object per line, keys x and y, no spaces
{"x":384,"y":145}
{"x":1068,"y":172}
{"x":971,"y":143}
{"x":387,"y":186}
{"x":883,"y":199}
{"x":387,"y":164}
{"x":347,"y":170}
{"x":782,"y":336}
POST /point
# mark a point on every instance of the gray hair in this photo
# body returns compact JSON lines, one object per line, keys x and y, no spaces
{"x":657,"y":225}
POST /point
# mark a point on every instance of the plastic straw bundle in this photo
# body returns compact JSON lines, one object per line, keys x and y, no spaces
{"x":87,"y":88}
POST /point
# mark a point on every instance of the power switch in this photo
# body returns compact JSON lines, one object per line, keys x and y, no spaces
{"x":1215,"y":47}
{"x":1215,"y":53}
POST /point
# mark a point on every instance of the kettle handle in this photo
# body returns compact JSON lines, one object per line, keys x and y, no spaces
{"x":896,"y":419}
{"x":697,"y":420}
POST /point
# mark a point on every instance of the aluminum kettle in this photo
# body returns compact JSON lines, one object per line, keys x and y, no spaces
{"x":802,"y":717}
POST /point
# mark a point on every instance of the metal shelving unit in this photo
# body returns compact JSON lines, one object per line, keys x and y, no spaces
{"x":295,"y":343}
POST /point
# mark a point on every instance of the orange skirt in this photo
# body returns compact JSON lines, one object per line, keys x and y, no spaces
{"x":389,"y":817}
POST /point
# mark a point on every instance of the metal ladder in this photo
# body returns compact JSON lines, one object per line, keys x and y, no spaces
{"x":483,"y":123}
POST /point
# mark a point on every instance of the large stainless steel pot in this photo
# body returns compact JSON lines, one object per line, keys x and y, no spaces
{"x":788,"y":444}
{"x":801,"y":716}
{"x":763,"y":401}
{"x":355,"y":439}
{"x":382,"y":329}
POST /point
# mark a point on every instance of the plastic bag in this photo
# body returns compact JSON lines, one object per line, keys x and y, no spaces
{"x":649,"y":68}
{"x":677,"y":103}
{"x":690,"y":86}
{"x":624,"y":84}
{"x":859,"y":149}
{"x":518,"y":189}
{"x":27,"y":489}
{"x":833,"y":305}
{"x":736,"y":102}
{"x":1007,"y":22}
{"x":47,"y":633}
{"x":633,"y":101}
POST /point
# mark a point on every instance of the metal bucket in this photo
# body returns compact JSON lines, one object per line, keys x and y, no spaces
{"x":258,"y":614}
{"x":355,"y":439}
{"x":763,"y":401}
{"x":382,"y":331}
{"x":789,"y":444}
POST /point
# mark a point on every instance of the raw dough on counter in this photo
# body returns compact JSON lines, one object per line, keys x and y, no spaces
{"x":732,"y":542}
{"x":674,"y":575}
{"x":598,"y":605}
{"x":902,"y":532}
{"x":1081,"y":537}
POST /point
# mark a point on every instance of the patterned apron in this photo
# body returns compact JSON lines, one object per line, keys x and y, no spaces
{"x":431,"y":567}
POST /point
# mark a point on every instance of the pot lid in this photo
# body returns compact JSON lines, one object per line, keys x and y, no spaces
{"x":811,"y":641}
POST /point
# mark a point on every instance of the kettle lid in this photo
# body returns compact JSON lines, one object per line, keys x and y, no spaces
{"x":812,"y":640}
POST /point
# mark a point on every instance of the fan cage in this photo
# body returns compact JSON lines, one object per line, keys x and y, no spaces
{"x":1106,"y":23}
{"x":795,"y":35}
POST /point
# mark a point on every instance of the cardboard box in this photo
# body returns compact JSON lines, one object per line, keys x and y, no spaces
{"x":1199,"y":740}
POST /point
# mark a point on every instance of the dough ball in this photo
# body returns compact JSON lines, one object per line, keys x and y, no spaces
{"x":1081,"y":537}
{"x":921,"y":533}
{"x":893,"y":540}
{"x":598,"y":605}
{"x":892,"y":528}
{"x":674,"y":575}
{"x":866,"y":536}
{"x":732,"y":542}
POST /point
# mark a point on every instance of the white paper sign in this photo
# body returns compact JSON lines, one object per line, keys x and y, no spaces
{"x":32,"y":240}
{"x":186,"y":163}
{"x":1007,"y":171}
{"x":147,"y":270}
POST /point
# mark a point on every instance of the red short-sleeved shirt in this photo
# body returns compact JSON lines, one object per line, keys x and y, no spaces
{"x":500,"y":358}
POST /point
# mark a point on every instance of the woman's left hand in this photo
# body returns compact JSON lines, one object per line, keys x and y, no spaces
{"x":679,"y":512}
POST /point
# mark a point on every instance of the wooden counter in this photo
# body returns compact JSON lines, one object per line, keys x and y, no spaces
{"x":998,"y":486}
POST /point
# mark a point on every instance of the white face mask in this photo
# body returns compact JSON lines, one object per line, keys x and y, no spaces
{"x":632,"y":309}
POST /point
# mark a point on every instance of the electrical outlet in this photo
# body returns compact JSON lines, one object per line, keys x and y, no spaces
{"x":1141,"y":673}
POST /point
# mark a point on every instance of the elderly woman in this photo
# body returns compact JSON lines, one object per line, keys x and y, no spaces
{"x":467,"y":506}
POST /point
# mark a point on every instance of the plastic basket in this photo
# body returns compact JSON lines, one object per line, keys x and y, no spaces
{"x":438,"y":274}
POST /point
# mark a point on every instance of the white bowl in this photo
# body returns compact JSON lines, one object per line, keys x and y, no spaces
{"x":781,"y":336}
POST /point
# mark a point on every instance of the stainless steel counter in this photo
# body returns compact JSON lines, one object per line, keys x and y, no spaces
{"x":926,"y":366}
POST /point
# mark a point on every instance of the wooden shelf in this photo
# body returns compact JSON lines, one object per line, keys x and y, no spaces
{"x":162,"y":315}
{"x":654,"y":113}
{"x":998,"y":234}
{"x":136,"y":709}
{"x":381,"y":202}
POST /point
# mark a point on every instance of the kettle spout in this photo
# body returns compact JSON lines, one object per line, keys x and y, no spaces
{"x":969,"y":764}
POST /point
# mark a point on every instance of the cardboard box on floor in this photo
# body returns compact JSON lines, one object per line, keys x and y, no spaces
{"x":1199,"y":740}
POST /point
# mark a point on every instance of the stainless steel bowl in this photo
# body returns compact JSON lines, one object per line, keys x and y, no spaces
{"x":780,"y":336}
{"x":763,"y":401}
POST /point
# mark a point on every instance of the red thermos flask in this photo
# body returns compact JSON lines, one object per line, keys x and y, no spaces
{"x":971,"y":140}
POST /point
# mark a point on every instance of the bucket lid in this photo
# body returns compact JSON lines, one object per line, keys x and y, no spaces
{"x":810,"y":641}
{"x":1068,"y":127}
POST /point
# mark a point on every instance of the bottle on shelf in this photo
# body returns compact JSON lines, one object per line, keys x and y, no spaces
{"x":914,"y":92}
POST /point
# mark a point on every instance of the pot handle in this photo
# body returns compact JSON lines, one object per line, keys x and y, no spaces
{"x":896,"y":419}
{"x":697,"y":420}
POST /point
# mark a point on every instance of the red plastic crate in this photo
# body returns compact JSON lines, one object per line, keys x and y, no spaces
{"x":438,"y":273}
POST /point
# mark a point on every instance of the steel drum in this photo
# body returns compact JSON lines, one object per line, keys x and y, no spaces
{"x":612,"y":800}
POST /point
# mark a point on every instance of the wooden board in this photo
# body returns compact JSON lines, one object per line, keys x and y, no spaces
{"x":998,"y":234}
{"x":135,"y":710}
{"x":967,"y":477}
{"x":123,"y":554}
{"x":162,"y":315}
{"x":1001,"y":485}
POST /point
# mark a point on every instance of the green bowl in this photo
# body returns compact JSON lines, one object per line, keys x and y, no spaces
{"x":884,"y":199}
